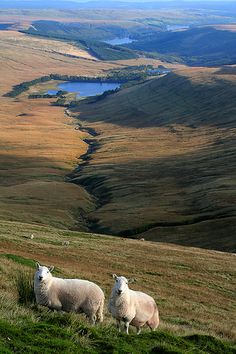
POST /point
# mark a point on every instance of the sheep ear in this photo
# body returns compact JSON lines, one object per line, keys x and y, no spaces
{"x":37,"y":265}
{"x":51,"y":269}
{"x":131,"y":280}
{"x":114,"y":276}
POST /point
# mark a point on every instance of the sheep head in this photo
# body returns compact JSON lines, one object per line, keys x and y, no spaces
{"x":43,"y":273}
{"x":121,"y":284}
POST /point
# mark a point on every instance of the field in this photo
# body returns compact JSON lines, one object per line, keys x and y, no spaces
{"x":194,"y":290}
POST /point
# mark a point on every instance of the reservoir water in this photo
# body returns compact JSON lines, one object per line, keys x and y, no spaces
{"x":176,"y":27}
{"x":5,"y":26}
{"x":85,"y":89}
{"x":119,"y":41}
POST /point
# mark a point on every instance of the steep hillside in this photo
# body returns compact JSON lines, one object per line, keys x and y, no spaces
{"x":197,"y":47}
{"x":194,"y":99}
{"x":194,"y":290}
{"x":164,"y":161}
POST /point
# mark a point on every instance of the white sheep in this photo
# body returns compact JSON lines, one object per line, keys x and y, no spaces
{"x":69,"y":295}
{"x":132,"y":307}
{"x":65,"y":243}
{"x":32,"y":236}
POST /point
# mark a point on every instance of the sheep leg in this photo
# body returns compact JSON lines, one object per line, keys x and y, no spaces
{"x":93,"y":319}
{"x":127,"y":327}
{"x":138,"y":330}
{"x":118,"y":325}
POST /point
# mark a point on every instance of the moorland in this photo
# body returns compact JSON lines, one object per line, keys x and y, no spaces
{"x":174,"y":131}
{"x":154,"y":160}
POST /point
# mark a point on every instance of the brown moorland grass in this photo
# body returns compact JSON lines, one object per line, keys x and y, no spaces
{"x":39,"y":143}
{"x":39,"y":147}
{"x":194,"y":288}
{"x":22,"y":42}
{"x":229,"y":27}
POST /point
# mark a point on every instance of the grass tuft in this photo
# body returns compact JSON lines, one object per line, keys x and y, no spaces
{"x":25,"y":287}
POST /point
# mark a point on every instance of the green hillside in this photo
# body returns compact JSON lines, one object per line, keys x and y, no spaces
{"x":172,"y":99}
{"x":88,"y":36}
{"x":195,"y":299}
{"x":196,"y":47}
{"x":90,"y":29}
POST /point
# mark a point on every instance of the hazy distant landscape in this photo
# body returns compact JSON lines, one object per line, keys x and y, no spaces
{"x":118,"y":156}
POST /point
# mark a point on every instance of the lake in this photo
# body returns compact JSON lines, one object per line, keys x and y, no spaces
{"x":176,"y":27}
{"x":85,"y":89}
{"x":119,"y":41}
{"x":5,"y":26}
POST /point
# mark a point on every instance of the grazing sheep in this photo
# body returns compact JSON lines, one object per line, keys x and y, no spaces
{"x":132,"y":307}
{"x":32,"y":236}
{"x":69,"y":295}
{"x":65,"y":243}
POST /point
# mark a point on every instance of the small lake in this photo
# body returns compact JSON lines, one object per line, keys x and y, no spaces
{"x":119,"y":41}
{"x":176,"y":27}
{"x":5,"y":26}
{"x":85,"y":89}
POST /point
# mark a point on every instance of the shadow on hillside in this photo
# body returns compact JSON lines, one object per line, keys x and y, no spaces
{"x":172,"y":99}
{"x":182,"y":197}
{"x":15,"y":169}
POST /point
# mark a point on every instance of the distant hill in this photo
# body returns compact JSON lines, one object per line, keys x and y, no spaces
{"x":165,"y":163}
{"x":196,"y":47}
{"x":89,"y":36}
{"x":73,"y":4}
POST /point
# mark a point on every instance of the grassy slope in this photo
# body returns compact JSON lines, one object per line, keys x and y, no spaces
{"x":194,"y":290}
{"x":166,"y":155}
{"x":39,"y":143}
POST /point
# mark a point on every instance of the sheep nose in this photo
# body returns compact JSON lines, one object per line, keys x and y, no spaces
{"x":119,"y":292}
{"x":40,"y":278}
